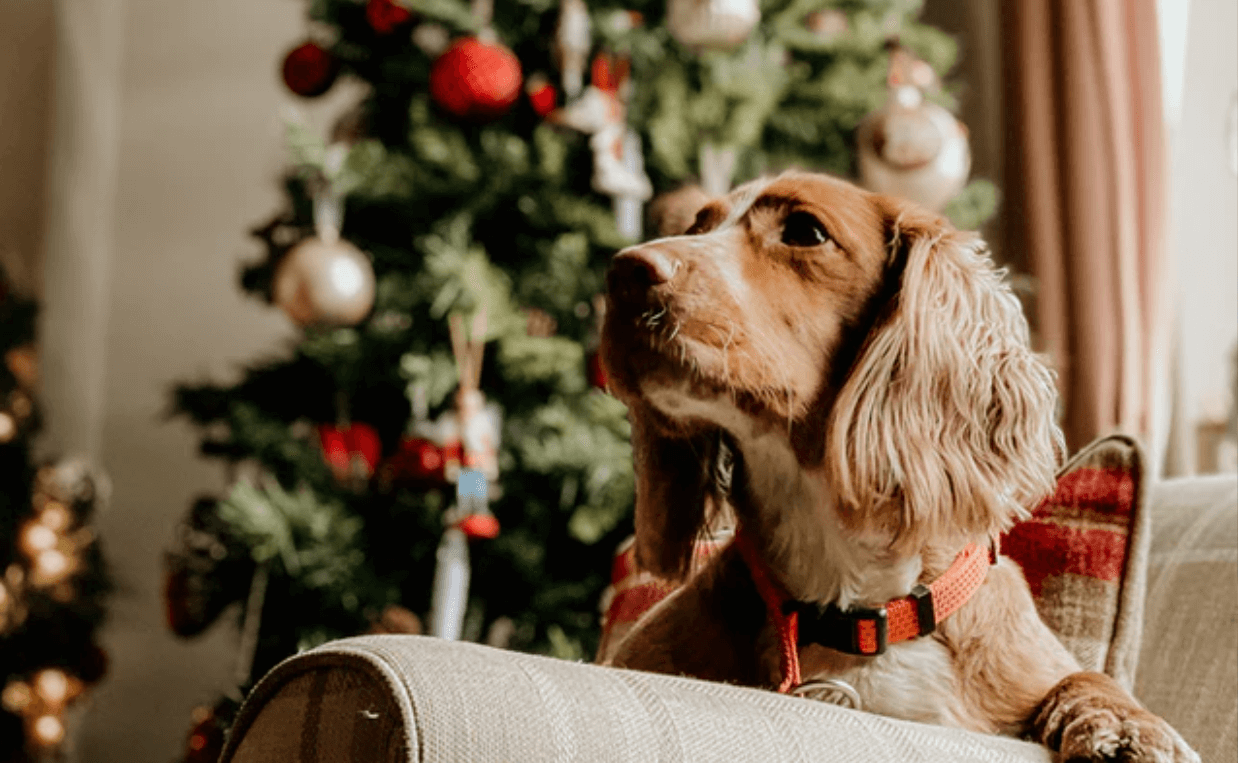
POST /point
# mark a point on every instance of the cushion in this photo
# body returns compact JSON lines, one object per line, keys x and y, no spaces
{"x":633,"y":591}
{"x":1083,"y":551}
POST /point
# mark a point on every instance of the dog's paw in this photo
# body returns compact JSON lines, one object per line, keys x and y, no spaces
{"x":1088,"y":717}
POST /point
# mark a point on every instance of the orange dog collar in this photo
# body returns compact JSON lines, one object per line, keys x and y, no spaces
{"x":862,"y":631}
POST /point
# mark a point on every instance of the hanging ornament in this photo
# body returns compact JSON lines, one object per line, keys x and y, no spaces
{"x":472,"y":503}
{"x":352,"y":451}
{"x":618,"y":168}
{"x":542,"y":94}
{"x":479,"y":428}
{"x":571,"y":44}
{"x":386,"y":16}
{"x":621,"y":21}
{"x":309,"y":70}
{"x":629,"y":201}
{"x":717,"y":24}
{"x":476,"y":79}
{"x":324,"y":280}
{"x":828,"y":24}
{"x":910,"y":147}
{"x":420,"y":462}
{"x":450,"y":587}
{"x":717,"y":168}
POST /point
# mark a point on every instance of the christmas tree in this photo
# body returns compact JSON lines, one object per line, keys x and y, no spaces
{"x":444,"y":249}
{"x":52,"y":579}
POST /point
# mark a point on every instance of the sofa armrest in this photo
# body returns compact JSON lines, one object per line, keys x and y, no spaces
{"x":413,"y":698}
{"x":1188,"y":661}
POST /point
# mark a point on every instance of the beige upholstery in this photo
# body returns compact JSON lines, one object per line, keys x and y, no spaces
{"x":460,"y":702}
{"x":411,"y":698}
{"x":1188,"y":662}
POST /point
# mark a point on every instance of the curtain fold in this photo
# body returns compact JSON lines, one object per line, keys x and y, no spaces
{"x":1086,"y":202}
{"x":78,"y":237}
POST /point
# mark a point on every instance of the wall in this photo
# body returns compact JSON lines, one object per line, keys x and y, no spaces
{"x":181,"y":162}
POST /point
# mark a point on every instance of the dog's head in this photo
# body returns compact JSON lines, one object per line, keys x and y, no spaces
{"x":876,"y":343}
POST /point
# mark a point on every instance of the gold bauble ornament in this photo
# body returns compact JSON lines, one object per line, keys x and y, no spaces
{"x":913,"y":149}
{"x":325,"y":282}
{"x":711,"y":23}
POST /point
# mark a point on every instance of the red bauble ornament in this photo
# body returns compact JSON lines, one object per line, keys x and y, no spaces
{"x":310,"y":70}
{"x":420,"y":461}
{"x":543,"y":96}
{"x":480,"y":526}
{"x":351,"y":450}
{"x":386,"y":16}
{"x":608,"y":72}
{"x":476,"y":79}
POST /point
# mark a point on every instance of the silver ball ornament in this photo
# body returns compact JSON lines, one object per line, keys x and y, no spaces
{"x":913,"y":149}
{"x":325,"y":282}
{"x":712,"y":23}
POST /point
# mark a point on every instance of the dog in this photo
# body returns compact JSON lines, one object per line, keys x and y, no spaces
{"x":852,"y":378}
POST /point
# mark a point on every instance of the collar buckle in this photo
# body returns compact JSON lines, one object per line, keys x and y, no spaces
{"x":926,"y":614}
{"x":860,"y":630}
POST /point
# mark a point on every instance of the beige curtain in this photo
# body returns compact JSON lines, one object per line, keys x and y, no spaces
{"x":78,"y":239}
{"x":1086,"y":198}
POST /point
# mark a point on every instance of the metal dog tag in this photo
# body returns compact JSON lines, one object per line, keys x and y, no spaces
{"x":831,"y":690}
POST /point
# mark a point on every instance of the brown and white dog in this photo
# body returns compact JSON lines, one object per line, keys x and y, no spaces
{"x":869,"y":372}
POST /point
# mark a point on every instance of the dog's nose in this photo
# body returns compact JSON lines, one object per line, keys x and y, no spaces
{"x":633,"y":272}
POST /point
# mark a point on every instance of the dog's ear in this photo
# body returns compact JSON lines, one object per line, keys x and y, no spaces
{"x":674,"y":494}
{"x":945,"y":423}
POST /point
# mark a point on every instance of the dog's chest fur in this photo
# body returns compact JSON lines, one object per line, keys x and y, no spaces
{"x":913,"y":680}
{"x":817,"y":560}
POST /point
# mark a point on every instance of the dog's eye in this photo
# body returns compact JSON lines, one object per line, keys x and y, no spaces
{"x":802,"y":229}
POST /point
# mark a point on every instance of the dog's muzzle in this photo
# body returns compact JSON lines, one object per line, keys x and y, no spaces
{"x":635,"y":274}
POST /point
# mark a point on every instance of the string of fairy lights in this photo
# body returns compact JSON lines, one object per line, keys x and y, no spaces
{"x":51,"y":553}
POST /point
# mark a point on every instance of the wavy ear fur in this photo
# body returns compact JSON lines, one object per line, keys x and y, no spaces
{"x":675,"y":494}
{"x":945,"y":424}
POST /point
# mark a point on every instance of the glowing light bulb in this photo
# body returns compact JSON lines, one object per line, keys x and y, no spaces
{"x":52,"y":685}
{"x":51,"y":565}
{"x":37,"y":538}
{"x":56,"y":516}
{"x":48,"y":729}
{"x":8,"y":427}
{"x":16,"y":696}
